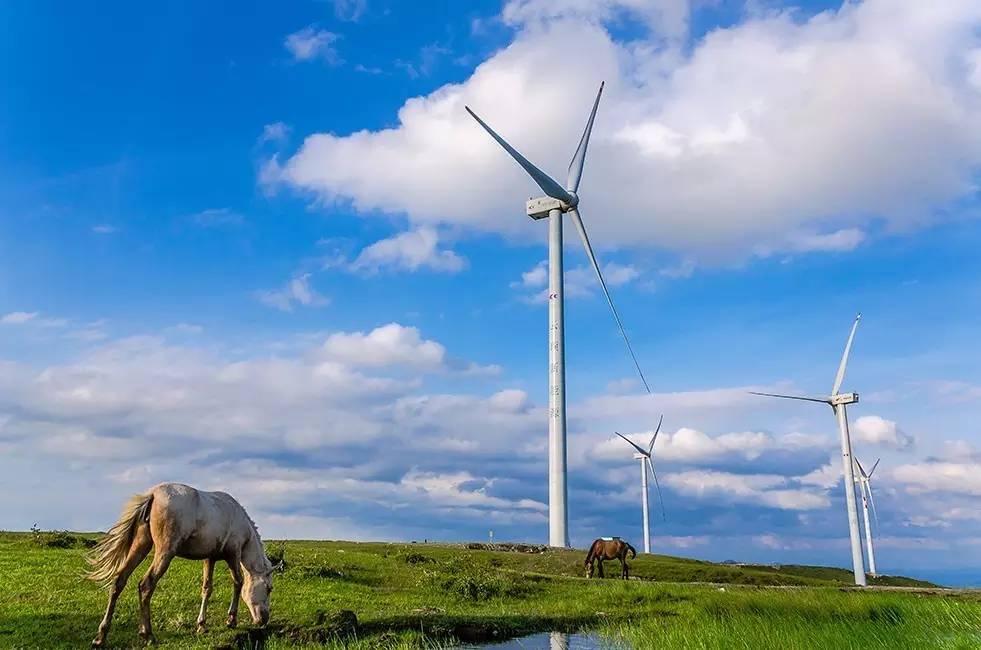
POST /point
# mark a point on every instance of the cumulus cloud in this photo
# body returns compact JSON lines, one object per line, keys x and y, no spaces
{"x":940,"y":476}
{"x":312,"y":43}
{"x":691,"y":446}
{"x":769,"y":490}
{"x":774,"y":134}
{"x":297,"y":291}
{"x":413,"y":250}
{"x":879,"y":431}
{"x":580,"y":281}
{"x":388,"y":345}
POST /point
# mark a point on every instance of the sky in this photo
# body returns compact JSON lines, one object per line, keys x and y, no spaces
{"x":262,"y":248}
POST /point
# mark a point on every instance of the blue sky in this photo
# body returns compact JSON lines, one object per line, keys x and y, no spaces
{"x":264,"y":249}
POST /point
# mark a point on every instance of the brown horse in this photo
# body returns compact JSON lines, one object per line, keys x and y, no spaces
{"x":609,"y":549}
{"x":178,"y":521}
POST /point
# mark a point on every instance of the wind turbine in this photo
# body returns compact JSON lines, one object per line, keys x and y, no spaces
{"x":646,"y":462}
{"x":865,"y":483}
{"x":560,"y":201}
{"x":838,"y":402}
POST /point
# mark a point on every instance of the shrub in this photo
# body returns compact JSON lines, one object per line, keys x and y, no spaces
{"x":60,"y":539}
{"x":475,"y":583}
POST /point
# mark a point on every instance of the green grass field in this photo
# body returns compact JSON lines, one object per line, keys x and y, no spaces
{"x":425,"y":595}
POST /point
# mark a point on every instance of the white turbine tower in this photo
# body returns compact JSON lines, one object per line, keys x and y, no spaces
{"x":838,"y":401}
{"x":646,"y":463}
{"x":557,"y":202}
{"x":865,"y":483}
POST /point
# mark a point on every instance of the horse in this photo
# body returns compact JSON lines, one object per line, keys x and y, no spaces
{"x":609,"y":549}
{"x":177,"y":520}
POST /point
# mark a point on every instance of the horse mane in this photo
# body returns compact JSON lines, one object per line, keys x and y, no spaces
{"x":267,"y":563}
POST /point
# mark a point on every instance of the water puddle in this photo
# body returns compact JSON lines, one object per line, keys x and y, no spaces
{"x":546,"y":641}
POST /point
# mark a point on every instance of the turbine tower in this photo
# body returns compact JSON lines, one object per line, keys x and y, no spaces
{"x":865,"y":483}
{"x":560,"y":201}
{"x":838,"y":402}
{"x":646,"y":463}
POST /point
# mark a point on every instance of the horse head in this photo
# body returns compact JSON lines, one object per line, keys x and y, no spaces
{"x":255,"y":592}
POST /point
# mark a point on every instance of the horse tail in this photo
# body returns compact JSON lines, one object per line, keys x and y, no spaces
{"x":109,"y":555}
{"x":632,"y":550}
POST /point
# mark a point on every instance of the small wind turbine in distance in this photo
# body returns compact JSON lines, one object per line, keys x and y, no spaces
{"x":838,"y":401}
{"x":865,"y":483}
{"x":560,"y":201}
{"x":645,"y":456}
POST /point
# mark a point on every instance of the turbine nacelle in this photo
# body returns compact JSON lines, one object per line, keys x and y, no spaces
{"x":843,"y":398}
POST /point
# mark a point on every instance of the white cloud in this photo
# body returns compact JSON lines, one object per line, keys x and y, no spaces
{"x":940,"y":476}
{"x":18,"y":317}
{"x":667,"y":17}
{"x":580,"y":281}
{"x":216,"y":217}
{"x":296,"y":292}
{"x":408,"y":251}
{"x":768,"y":490}
{"x":313,"y":43}
{"x":879,"y":431}
{"x":774,"y":134}
{"x":693,"y":446}
{"x":350,"y":10}
{"x":391,"y":344}
{"x":103,"y":229}
{"x":275,"y":133}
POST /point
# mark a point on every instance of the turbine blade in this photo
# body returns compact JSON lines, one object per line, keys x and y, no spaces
{"x":872,"y":471}
{"x":650,"y":450}
{"x":806,"y":399}
{"x":548,"y":185}
{"x":861,"y":470}
{"x":632,"y":443}
{"x":875,"y":515}
{"x":844,"y":357}
{"x":575,"y":167}
{"x":577,"y":220}
{"x":650,"y":466}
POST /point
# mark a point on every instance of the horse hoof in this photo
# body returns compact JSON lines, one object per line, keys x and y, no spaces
{"x":149,"y":639}
{"x":231,"y":622}
{"x":98,"y":642}
{"x":201,"y":629}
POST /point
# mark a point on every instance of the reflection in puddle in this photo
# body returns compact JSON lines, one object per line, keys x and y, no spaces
{"x":547,"y":641}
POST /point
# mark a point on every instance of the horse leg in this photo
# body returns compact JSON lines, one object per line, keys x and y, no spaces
{"x":601,"y":568}
{"x":137,"y":551}
{"x":237,"y":580}
{"x":161,"y":560}
{"x":623,"y":567}
{"x":209,"y":571}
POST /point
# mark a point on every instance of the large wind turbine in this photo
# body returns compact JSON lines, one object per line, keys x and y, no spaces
{"x":557,"y":202}
{"x":838,"y":401}
{"x":865,"y":483}
{"x":646,"y":463}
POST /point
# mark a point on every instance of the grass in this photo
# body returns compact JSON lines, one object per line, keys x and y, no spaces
{"x":424,"y":595}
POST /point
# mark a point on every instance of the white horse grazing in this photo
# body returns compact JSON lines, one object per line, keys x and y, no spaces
{"x":177,"y":520}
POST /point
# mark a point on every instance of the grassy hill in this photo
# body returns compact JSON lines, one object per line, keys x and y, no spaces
{"x":426,"y":595}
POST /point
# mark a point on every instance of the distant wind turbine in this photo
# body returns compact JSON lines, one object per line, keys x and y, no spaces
{"x":838,"y":401}
{"x":645,"y":456}
{"x":865,"y":483}
{"x":557,"y":202}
